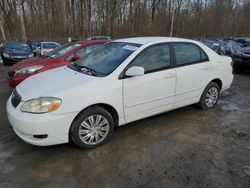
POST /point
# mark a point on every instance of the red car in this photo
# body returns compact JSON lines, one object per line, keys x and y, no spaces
{"x":64,"y":55}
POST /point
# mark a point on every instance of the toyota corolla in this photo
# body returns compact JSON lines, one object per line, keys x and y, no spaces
{"x":117,"y":83}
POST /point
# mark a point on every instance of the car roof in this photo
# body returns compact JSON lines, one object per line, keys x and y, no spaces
{"x":144,"y":40}
{"x":15,"y":42}
{"x":95,"y":41}
{"x":99,"y":38}
{"x":49,"y":42}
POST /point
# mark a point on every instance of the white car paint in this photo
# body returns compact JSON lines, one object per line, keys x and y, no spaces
{"x":133,"y":99}
{"x":42,"y":50}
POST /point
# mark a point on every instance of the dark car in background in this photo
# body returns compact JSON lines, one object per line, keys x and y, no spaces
{"x":13,"y":52}
{"x":33,"y":44}
{"x":213,"y":44}
{"x":220,"y":46}
{"x":241,"y":55}
{"x":236,"y":48}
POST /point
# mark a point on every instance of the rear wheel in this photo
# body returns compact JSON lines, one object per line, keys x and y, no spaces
{"x":209,"y":96}
{"x":92,"y":128}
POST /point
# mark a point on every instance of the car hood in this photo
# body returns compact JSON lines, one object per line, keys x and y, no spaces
{"x":31,"y":62}
{"x":56,"y":83}
{"x":246,"y":50}
{"x":15,"y":52}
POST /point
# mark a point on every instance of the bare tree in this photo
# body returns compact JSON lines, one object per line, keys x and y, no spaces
{"x":60,"y":19}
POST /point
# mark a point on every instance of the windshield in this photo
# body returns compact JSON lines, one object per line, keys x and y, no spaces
{"x":18,"y":47}
{"x":34,"y":44}
{"x":62,"y":50}
{"x":106,"y":58}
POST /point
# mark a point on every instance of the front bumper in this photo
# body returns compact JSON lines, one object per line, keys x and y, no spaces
{"x":17,"y":79}
{"x":12,"y":61}
{"x":27,"y":125}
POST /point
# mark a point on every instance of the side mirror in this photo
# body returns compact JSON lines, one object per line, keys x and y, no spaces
{"x":75,"y":57}
{"x":135,"y":71}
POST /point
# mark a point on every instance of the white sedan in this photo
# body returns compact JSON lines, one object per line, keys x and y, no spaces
{"x":45,"y":47}
{"x":120,"y":82}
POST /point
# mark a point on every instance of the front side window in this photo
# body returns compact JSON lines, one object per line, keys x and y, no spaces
{"x":153,"y":58}
{"x":106,"y":58}
{"x":188,"y":54}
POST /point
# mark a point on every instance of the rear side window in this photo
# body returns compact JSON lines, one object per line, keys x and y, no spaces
{"x":153,"y":58}
{"x":189,"y":54}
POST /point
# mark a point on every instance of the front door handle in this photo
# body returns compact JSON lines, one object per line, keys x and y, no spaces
{"x":169,"y":75}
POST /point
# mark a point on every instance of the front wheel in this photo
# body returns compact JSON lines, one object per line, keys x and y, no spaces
{"x":92,"y":128}
{"x":210,"y":96}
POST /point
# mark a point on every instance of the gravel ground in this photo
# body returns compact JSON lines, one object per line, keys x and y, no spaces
{"x":186,"y":147}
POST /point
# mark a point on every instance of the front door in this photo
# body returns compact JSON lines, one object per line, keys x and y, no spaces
{"x":153,"y":92}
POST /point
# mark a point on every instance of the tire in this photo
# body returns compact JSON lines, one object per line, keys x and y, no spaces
{"x":206,"y":102}
{"x":91,"y":133}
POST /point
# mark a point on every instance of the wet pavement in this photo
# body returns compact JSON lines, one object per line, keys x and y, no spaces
{"x":186,"y":147}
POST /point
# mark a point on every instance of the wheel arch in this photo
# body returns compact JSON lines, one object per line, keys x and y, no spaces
{"x":217,"y":81}
{"x":113,"y":112}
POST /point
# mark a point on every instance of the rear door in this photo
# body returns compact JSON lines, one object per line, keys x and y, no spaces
{"x":153,"y":92}
{"x":193,"y":70}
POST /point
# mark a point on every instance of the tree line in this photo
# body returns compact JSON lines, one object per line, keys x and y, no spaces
{"x":78,"y":19}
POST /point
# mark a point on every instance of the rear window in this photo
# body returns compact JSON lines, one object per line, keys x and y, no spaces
{"x":187,"y":53}
{"x":50,"y":45}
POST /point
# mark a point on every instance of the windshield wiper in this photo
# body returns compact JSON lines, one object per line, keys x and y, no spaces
{"x":87,"y":69}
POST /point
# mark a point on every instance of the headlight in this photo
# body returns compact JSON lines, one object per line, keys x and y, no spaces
{"x":31,"y":55}
{"x":41,"y":105}
{"x":30,"y":70}
{"x":6,"y":55}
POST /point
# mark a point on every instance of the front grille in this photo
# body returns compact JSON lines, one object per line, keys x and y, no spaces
{"x":11,"y":73}
{"x":15,"y":99}
{"x":17,"y":59}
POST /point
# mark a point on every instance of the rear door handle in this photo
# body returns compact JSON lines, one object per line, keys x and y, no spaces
{"x":169,"y":75}
{"x":205,"y":67}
